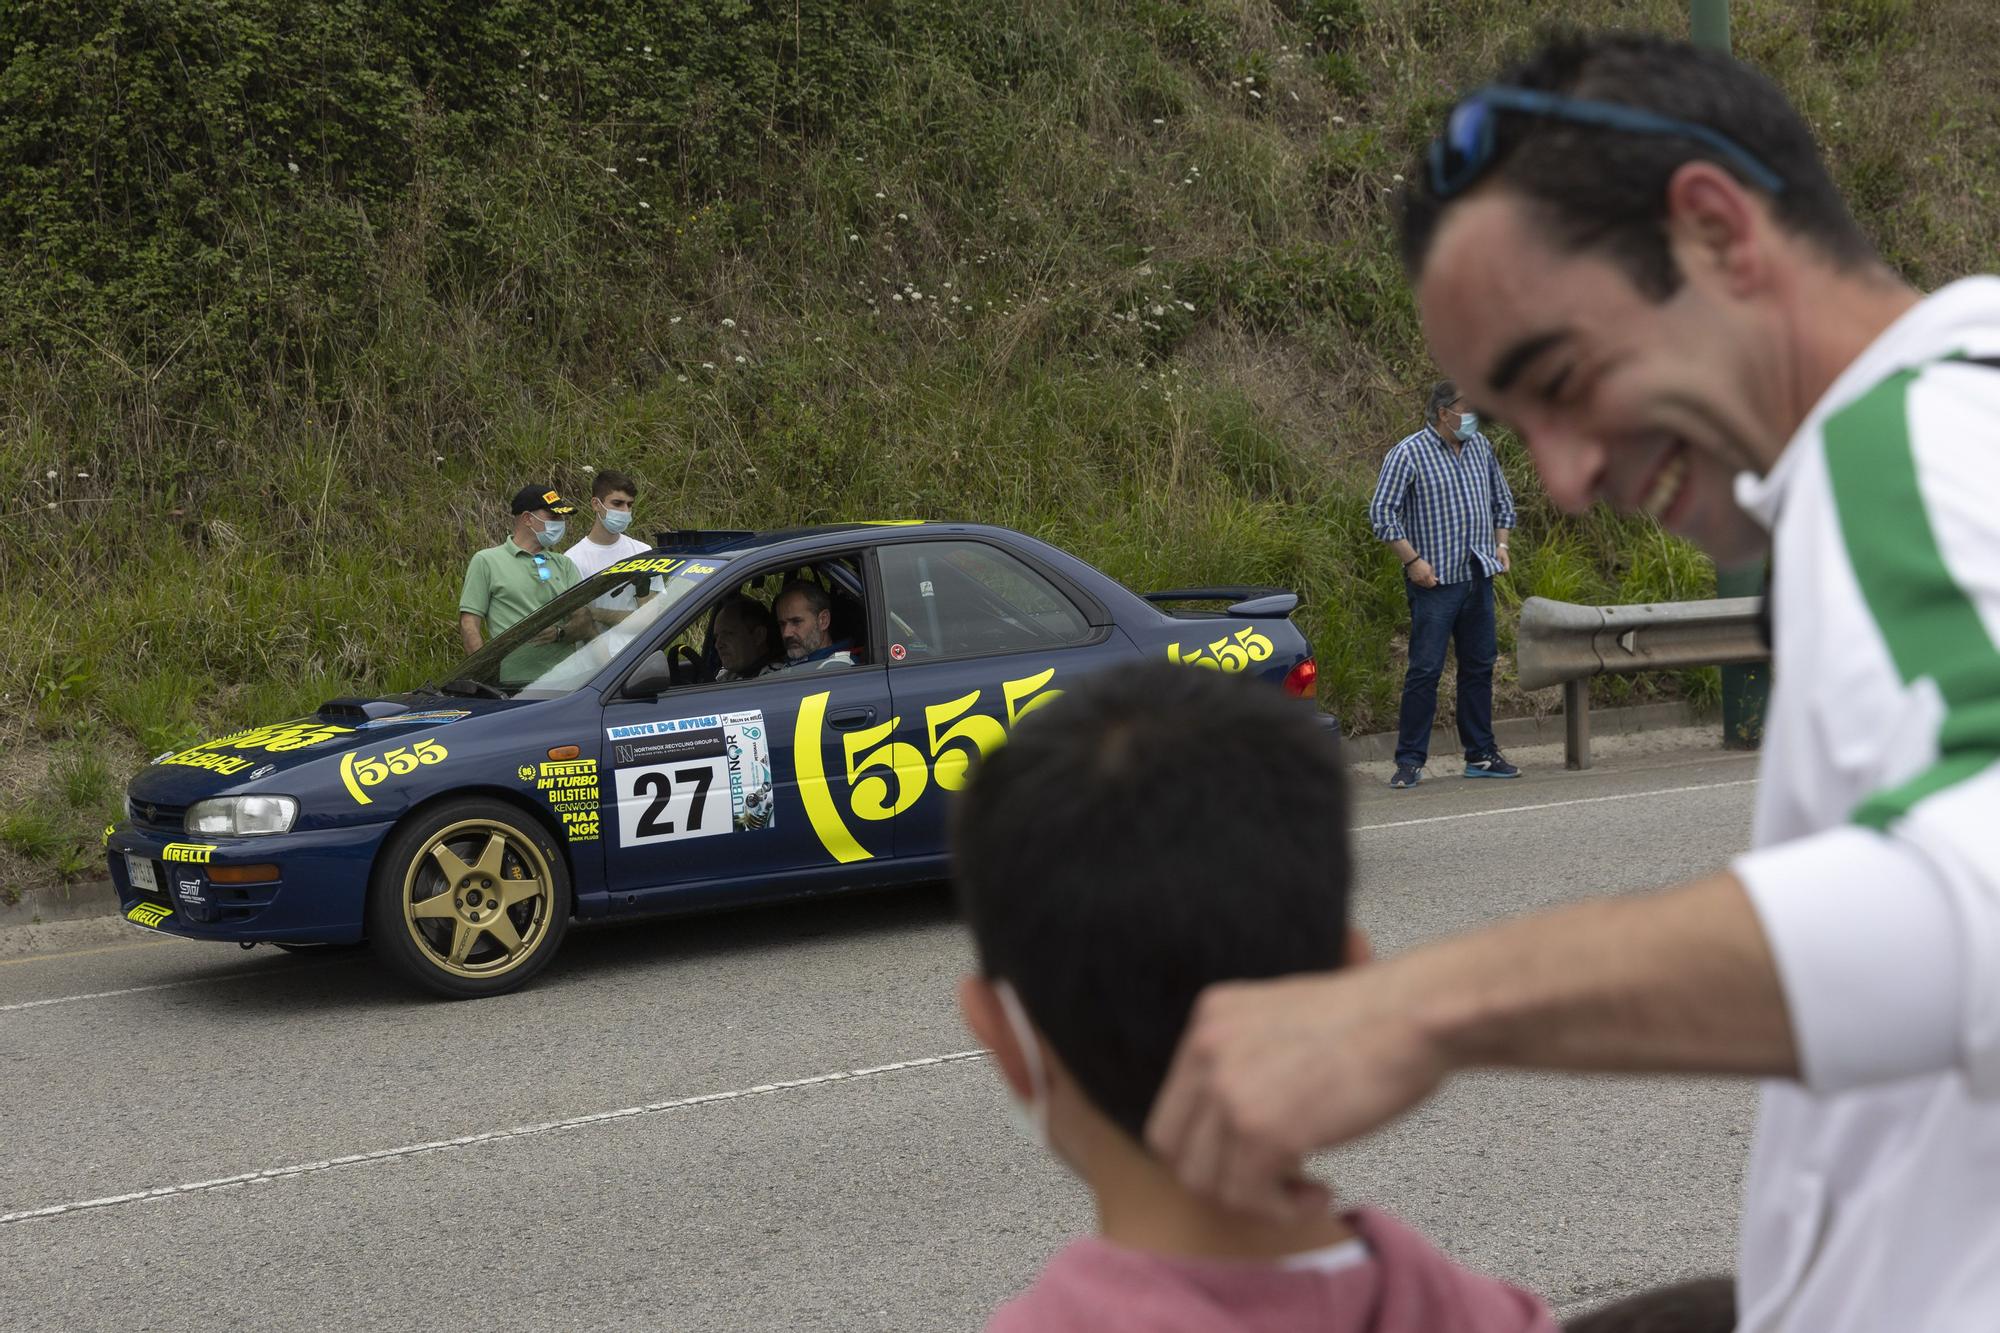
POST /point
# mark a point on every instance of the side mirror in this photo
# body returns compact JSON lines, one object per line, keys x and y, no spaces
{"x":652,"y":678}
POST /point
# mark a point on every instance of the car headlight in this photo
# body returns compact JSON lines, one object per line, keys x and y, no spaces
{"x":242,"y":816}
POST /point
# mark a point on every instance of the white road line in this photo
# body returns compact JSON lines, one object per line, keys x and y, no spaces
{"x":489,"y":1136}
{"x":162,"y":985}
{"x":1555,"y":805}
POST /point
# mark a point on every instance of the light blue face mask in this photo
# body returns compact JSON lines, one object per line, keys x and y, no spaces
{"x":617,"y":520}
{"x":551,"y":533}
{"x":1468,"y":425}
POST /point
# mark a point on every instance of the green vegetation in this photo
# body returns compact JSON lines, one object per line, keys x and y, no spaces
{"x":295,"y":293}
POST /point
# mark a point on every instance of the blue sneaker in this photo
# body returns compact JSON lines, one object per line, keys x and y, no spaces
{"x":1490,"y":765}
{"x":1407,"y":775}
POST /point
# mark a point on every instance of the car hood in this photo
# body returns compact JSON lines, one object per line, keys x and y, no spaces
{"x":257,"y":758}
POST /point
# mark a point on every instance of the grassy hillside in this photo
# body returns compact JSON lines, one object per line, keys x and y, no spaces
{"x":294,"y":294}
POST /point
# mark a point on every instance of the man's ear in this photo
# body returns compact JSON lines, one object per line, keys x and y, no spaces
{"x":1356,"y":950}
{"x":1715,"y":227}
{"x":980,"y":1004}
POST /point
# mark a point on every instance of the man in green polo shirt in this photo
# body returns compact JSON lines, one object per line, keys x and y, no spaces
{"x":506,"y":583}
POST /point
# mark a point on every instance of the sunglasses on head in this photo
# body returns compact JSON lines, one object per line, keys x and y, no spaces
{"x":1466,"y":149}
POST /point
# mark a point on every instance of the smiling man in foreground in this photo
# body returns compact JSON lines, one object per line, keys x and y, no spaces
{"x":1630,"y":250}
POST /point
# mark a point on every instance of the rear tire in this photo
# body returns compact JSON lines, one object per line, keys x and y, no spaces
{"x":471,"y":898}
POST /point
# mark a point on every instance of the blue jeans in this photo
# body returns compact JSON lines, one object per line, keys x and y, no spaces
{"x":1463,"y":613}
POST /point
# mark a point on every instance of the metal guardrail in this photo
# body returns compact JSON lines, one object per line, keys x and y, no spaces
{"x":1559,"y":643}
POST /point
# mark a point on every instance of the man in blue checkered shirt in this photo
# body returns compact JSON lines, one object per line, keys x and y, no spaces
{"x":1445,"y":510}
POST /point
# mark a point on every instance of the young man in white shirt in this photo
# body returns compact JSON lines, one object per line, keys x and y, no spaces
{"x":1630,"y":250}
{"x":607,"y":542}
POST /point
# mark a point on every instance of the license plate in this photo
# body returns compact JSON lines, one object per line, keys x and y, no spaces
{"x":141,"y":874}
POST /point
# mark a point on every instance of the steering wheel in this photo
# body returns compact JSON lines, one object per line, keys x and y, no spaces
{"x":684,"y":665}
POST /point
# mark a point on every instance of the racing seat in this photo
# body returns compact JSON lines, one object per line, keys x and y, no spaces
{"x":850,"y":624}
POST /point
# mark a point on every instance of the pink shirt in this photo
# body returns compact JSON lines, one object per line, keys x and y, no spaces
{"x":1400,"y":1284}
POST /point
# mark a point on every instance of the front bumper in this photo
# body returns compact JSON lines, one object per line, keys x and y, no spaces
{"x":319,"y":895}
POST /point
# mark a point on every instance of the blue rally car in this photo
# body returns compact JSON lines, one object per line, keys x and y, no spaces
{"x":603,"y":758}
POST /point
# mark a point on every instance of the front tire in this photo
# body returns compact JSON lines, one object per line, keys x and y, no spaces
{"x":472,"y":898}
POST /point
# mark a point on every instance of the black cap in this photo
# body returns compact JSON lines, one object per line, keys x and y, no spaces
{"x":530,"y":498}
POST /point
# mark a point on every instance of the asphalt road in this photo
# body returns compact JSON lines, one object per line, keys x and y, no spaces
{"x":768,"y":1119}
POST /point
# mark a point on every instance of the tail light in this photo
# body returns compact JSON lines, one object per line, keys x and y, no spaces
{"x":1302,"y":681}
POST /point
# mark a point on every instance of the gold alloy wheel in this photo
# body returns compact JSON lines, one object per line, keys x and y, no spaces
{"x":476,"y":899}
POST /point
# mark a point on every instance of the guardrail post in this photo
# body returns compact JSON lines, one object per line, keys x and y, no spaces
{"x":1576,"y":724}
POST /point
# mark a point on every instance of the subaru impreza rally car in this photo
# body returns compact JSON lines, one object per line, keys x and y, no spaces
{"x":589,"y":763}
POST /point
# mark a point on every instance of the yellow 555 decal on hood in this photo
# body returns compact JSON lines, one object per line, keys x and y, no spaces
{"x":886,"y":777}
{"x":215,"y":755}
{"x":373,"y":770}
{"x":1232,"y":653}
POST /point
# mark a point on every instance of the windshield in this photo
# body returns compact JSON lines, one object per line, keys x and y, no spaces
{"x":559,"y":648}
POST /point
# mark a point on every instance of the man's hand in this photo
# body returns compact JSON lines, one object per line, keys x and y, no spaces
{"x":1506,"y":561}
{"x":1270,"y":1071}
{"x":1421,"y":574}
{"x":1680,"y":980}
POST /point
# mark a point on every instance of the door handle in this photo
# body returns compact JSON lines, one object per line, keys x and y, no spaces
{"x":847,"y":719}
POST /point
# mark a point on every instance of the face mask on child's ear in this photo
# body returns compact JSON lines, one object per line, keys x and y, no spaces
{"x":1033,"y":1119}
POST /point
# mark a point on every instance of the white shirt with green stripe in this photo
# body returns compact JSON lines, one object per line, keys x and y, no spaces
{"x":1873,"y":1197}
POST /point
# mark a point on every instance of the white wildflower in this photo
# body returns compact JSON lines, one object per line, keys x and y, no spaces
{"x":437,"y":458}
{"x":644,"y":204}
{"x":1293,"y":96}
{"x":708,"y":365}
{"x":741,"y":360}
{"x":543,"y":96}
{"x":895,"y":296}
{"x":728,"y":323}
{"x":84,"y":475}
{"x":1254,"y":93}
{"x":1158,"y":121}
{"x":1397,"y":177}
{"x":638,"y":159}
{"x":903,"y":217}
{"x":588,"y":468}
{"x":852,"y":237}
{"x":675,"y":320}
{"x":681,"y":378}
{"x":612,"y":170}
{"x":1249,"y":78}
{"x":649,"y":50}
{"x":1159,"y":310}
{"x":52,"y":504}
{"x":880,"y":195}
{"x":1185,"y":305}
{"x":292,"y":167}
{"x":51,"y":474}
{"x":1340,"y":120}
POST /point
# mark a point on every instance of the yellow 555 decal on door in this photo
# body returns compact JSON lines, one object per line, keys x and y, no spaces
{"x":886,"y":777}
{"x":373,"y":770}
{"x":1231,"y":653}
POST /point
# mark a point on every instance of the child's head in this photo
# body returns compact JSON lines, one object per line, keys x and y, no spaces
{"x":1156,"y":829}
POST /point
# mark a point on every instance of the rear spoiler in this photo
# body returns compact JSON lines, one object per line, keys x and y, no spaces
{"x":1257,"y":603}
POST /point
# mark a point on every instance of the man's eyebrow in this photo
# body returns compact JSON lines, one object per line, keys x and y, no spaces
{"x":1520,"y":356}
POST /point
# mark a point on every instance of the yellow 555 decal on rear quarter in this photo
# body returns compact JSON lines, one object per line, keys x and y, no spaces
{"x":373,"y":770}
{"x":886,"y":777}
{"x":1232,"y":654}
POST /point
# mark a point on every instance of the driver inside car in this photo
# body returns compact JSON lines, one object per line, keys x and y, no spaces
{"x":745,"y":635}
{"x":805,"y":618}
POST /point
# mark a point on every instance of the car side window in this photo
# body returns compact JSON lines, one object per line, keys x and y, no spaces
{"x":954,"y":599}
{"x":737,"y":637}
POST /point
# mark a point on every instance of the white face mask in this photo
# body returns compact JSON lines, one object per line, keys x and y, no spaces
{"x":1468,"y":425}
{"x":1032,"y":1119}
{"x":617,"y":520}
{"x":550,"y":533}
